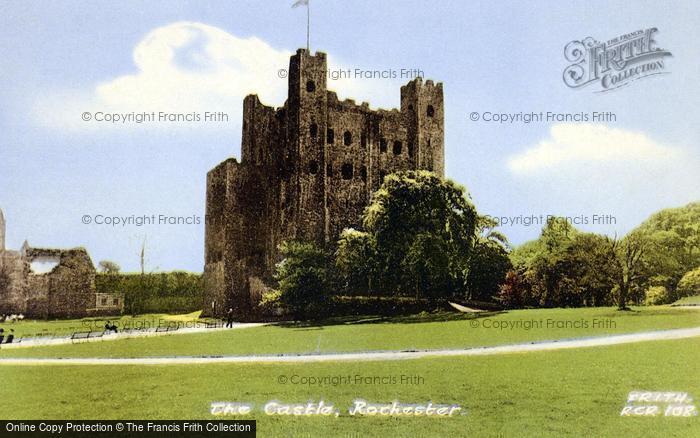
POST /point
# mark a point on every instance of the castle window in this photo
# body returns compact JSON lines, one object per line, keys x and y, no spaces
{"x":346,"y":171}
{"x":347,"y":138}
{"x":329,"y":170}
{"x":313,"y":130}
{"x":397,"y":147}
{"x":410,"y":107}
{"x":313,"y":167}
{"x":431,"y":111}
{"x":330,"y":136}
{"x":115,"y":302}
{"x":363,"y":173}
{"x":310,"y":86}
{"x":382,"y":145}
{"x":410,"y":149}
{"x":363,"y":140}
{"x":103,"y":301}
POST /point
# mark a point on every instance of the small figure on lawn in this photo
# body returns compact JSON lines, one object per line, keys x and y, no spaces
{"x":229,"y":318}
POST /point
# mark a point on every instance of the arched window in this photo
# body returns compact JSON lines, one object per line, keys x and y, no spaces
{"x":346,"y":171}
{"x":330,"y":136}
{"x":313,"y":167}
{"x":431,"y":111}
{"x":382,"y":145}
{"x":347,"y":138}
{"x":310,"y":86}
{"x":397,"y":147}
{"x":313,"y":130}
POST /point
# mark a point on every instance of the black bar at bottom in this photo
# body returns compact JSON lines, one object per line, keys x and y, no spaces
{"x":128,"y":428}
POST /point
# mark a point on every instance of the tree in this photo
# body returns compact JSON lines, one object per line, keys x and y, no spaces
{"x":547,"y":269}
{"x":589,"y":269}
{"x":512,"y":294}
{"x":627,"y":257}
{"x":109,"y":267}
{"x":675,"y":236}
{"x":354,"y":261}
{"x":303,"y":277}
{"x":422,"y":230}
{"x":489,"y":261}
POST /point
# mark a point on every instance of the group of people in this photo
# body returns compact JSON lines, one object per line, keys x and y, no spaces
{"x":109,"y":327}
{"x":10,"y":336}
{"x":11,"y":318}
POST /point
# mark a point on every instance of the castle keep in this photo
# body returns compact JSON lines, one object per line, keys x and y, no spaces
{"x":307,"y":171}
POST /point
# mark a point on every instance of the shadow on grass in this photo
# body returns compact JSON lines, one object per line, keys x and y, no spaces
{"x":423,"y":317}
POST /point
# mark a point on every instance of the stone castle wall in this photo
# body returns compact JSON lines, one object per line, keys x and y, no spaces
{"x":307,"y":171}
{"x":67,"y":291}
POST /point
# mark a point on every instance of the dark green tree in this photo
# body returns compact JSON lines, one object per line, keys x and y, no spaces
{"x":422,"y":230}
{"x":304,"y":278}
{"x":489,"y":262}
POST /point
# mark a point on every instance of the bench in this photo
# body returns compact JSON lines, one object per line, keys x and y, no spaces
{"x":167,"y":328}
{"x":86,"y":335}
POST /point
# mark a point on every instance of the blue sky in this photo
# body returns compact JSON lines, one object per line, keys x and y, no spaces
{"x":60,"y":59}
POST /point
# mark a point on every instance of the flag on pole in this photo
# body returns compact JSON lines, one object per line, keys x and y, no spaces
{"x":308,"y":20}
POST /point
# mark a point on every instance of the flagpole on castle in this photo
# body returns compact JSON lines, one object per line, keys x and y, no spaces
{"x":308,"y":20}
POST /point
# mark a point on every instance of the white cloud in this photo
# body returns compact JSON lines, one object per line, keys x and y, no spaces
{"x":189,"y":67}
{"x":576,"y":144}
{"x":585,"y":168}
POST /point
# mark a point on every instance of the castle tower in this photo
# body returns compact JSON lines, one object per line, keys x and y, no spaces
{"x":307,"y":135}
{"x":422,"y":105}
{"x":2,"y":231}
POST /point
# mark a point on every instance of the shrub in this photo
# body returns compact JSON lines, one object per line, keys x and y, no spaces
{"x":656,"y":295}
{"x":689,"y":285}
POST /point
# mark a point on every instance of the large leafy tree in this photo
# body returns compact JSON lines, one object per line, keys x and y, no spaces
{"x":674,"y":234}
{"x":418,"y":239}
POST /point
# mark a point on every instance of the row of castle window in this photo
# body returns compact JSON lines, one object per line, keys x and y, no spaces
{"x":346,"y":170}
{"x":397,"y":148}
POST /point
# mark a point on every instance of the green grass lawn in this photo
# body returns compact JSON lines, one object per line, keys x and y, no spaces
{"x":688,"y":300}
{"x":569,"y":392}
{"x":426,"y":332}
{"x":61,"y":327}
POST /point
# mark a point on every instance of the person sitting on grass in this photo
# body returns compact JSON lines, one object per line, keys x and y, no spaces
{"x":2,"y":335}
{"x":10,"y":337}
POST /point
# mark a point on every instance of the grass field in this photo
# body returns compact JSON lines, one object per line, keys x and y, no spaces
{"x":425,"y":332}
{"x":568,"y":392}
{"x":58,"y":327}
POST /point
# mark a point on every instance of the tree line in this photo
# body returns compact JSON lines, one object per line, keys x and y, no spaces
{"x":421,"y":237}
